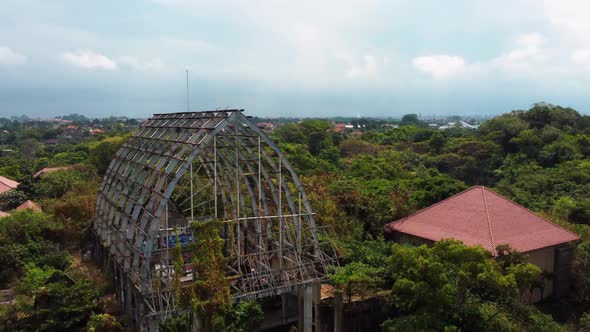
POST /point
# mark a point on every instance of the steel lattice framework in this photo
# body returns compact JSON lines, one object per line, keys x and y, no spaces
{"x":181,"y":168}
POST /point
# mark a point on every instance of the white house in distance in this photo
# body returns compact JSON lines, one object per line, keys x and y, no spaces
{"x":459,"y":124}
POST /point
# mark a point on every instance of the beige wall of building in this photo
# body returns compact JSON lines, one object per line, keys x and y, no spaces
{"x":545,"y":259}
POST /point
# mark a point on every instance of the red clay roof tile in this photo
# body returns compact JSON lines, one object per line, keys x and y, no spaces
{"x":481,"y":216}
{"x":29,"y":205}
{"x":7,"y":184}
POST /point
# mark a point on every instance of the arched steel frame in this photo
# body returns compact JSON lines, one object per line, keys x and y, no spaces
{"x":272,"y":242}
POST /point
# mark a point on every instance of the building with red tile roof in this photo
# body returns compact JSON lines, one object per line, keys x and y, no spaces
{"x":96,"y":131}
{"x":49,"y":170}
{"x":265,"y":126}
{"x":479,"y":216}
{"x":4,"y":214}
{"x":29,"y":205}
{"x":7,"y":184}
{"x":339,"y":127}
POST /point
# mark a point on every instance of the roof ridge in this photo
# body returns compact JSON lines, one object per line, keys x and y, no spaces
{"x":485,"y":202}
{"x":435,"y":204}
{"x":521,"y":233}
{"x":523,"y":208}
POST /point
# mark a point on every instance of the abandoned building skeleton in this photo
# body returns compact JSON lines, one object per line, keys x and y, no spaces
{"x":217,"y":165}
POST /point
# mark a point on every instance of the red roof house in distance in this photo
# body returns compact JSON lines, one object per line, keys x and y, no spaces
{"x":96,"y":131}
{"x":50,"y":169}
{"x":29,"y":205}
{"x":265,"y":126}
{"x":339,"y":127}
{"x":7,"y":184}
{"x":479,"y":216}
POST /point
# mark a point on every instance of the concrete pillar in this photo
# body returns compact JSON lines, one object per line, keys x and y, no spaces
{"x":307,"y":309}
{"x":119,"y":275}
{"x":153,"y":325}
{"x":128,"y":295}
{"x":284,"y":308}
{"x":299,"y":308}
{"x":197,"y":324}
{"x":338,"y":306}
{"x":107,"y":263}
{"x":96,"y":253}
{"x":317,"y":299}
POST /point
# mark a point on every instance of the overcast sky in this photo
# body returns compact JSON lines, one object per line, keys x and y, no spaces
{"x":292,"y":58}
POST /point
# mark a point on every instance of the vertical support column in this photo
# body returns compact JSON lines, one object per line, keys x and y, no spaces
{"x":298,"y":228}
{"x":338,"y":306}
{"x":284,"y":308}
{"x":122,"y":294}
{"x":197,"y":324}
{"x":261,"y":243}
{"x":237,"y":145}
{"x":153,"y":325}
{"x":192,"y":195}
{"x":259,"y":178}
{"x":260,"y":239}
{"x":128,"y":295}
{"x":108,"y":268}
{"x":317,"y":299}
{"x":238,"y":229}
{"x":307,"y":308}
{"x":215,"y":173}
{"x":280,"y":214}
{"x":300,"y":308}
{"x":165,"y":258}
{"x":96,"y":254}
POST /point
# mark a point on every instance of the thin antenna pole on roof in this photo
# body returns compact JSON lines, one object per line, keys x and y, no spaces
{"x":187,"y":93}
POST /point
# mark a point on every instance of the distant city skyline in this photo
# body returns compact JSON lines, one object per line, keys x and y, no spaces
{"x":283,"y":58}
{"x":431,"y":117}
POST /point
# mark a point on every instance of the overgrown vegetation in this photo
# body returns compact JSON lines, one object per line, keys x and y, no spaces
{"x":356,"y":183}
{"x":48,"y":290}
{"x":47,"y":298}
{"x":209,"y":293}
{"x":539,"y":158}
{"x":452,"y":286}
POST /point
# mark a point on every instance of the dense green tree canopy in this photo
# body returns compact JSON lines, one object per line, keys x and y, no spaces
{"x":356,"y":182}
{"x":452,"y":286}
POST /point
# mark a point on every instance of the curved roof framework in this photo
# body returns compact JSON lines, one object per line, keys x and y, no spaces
{"x":189,"y":167}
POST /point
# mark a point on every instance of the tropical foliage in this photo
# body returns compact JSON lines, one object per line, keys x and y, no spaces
{"x":356,"y":184}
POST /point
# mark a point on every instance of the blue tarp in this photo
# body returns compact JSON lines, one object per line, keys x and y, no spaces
{"x":185,"y":240}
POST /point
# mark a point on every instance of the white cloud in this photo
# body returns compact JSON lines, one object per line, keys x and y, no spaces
{"x":526,"y":57}
{"x":153,"y":65}
{"x":440,"y":66}
{"x":291,"y":41}
{"x":570,"y":31}
{"x":304,"y":41}
{"x":582,"y":58}
{"x":369,"y":66}
{"x":11,"y":58}
{"x":530,"y":40}
{"x":570,"y":17}
{"x":89,"y":60}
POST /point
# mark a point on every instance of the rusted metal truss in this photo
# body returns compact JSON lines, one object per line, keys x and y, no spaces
{"x":189,"y":167}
